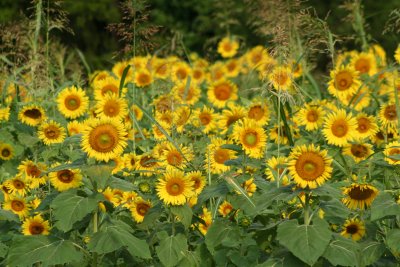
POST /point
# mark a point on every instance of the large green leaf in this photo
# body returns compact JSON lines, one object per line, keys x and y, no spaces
{"x":184,"y":214}
{"x":99,"y":174}
{"x":334,"y":208}
{"x":307,"y":242}
{"x":6,"y":215}
{"x":69,"y":207}
{"x":342,"y":251}
{"x":27,"y":250}
{"x":171,"y":249}
{"x":371,"y":252}
{"x":115,"y":235}
{"x":384,"y":205}
{"x":219,"y":232}
{"x":393,"y":240}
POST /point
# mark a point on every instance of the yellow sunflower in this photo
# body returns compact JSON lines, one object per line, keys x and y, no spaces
{"x":130,"y":160}
{"x":161,"y":68}
{"x":354,"y":229}
{"x":199,"y":181}
{"x":388,"y":115}
{"x":222,"y":91}
{"x":364,"y":63}
{"x":397,"y":54}
{"x":265,"y":67}
{"x":139,"y":208}
{"x":249,"y":186}
{"x":74,"y":127}
{"x":6,"y":151}
{"x":66,"y":179}
{"x":32,"y":115}
{"x":35,"y":226}
{"x":230,"y":115}
{"x":112,"y":106}
{"x":228,"y":47}
{"x":259,"y":112}
{"x":392,"y":153}
{"x":51,"y":132}
{"x":147,"y":164}
{"x":187,"y":94}
{"x":172,"y":157}
{"x":311,"y":116}
{"x":358,"y":151}
{"x":309,"y":166}
{"x":358,"y":101}
{"x":4,"y":114}
{"x":281,"y":78}
{"x":339,"y":128}
{"x":180,"y":72}
{"x":165,"y":102}
{"x":174,"y":187}
{"x":143,"y":78}
{"x":256,"y":56}
{"x":119,"y":67}
{"x":206,"y":118}
{"x":207,"y":218}
{"x":33,"y":172}
{"x":344,"y":82}
{"x":225,"y":208}
{"x":276,"y":167}
{"x":366,"y":126}
{"x":17,"y":205}
{"x":279,"y":135}
{"x":72,"y":102}
{"x":198,"y":75}
{"x":104,"y":138}
{"x":109,"y":85}
{"x":181,"y":118}
{"x":17,"y":185}
{"x":232,"y":67}
{"x":216,"y":156}
{"x":359,"y":195}
{"x":251,"y":136}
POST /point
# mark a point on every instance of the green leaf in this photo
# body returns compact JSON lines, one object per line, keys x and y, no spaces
{"x":184,"y":213}
{"x":27,"y":250}
{"x":27,"y":139}
{"x":6,"y":215}
{"x":342,"y":251}
{"x":215,"y":190}
{"x":172,"y":249}
{"x":393,"y":240}
{"x":115,"y":235}
{"x":121,"y":184}
{"x":371,"y":252}
{"x":100,"y":174}
{"x":220,"y":232}
{"x":233,"y":147}
{"x":307,"y":242}
{"x":3,"y":250}
{"x":384,"y":205}
{"x":334,"y":208}
{"x":70,"y":208}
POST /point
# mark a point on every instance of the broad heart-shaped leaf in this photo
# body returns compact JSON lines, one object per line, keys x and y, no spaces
{"x":342,"y":251}
{"x":69,"y":208}
{"x":6,"y":215}
{"x":334,"y":208}
{"x":384,"y":205}
{"x":115,"y":235}
{"x":184,"y":214}
{"x":307,"y":242}
{"x":27,"y":250}
{"x":371,"y":252}
{"x":219,"y":232}
{"x":172,"y":249}
{"x":393,"y":240}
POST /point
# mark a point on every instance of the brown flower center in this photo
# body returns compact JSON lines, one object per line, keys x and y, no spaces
{"x":310,"y":166}
{"x":359,"y":193}
{"x":174,"y":158}
{"x":256,"y":112}
{"x":351,"y":229}
{"x":390,"y":113}
{"x":222,"y":91}
{"x":339,"y":128}
{"x":65,"y":176}
{"x":343,"y":80}
{"x":221,"y":155}
{"x":17,"y":205}
{"x":359,"y":151}
{"x":72,"y":102}
{"x":51,"y":132}
{"x":103,"y":138}
{"x":33,"y":113}
{"x":36,"y":228}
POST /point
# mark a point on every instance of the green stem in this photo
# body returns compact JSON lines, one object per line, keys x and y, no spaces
{"x":306,"y":210}
{"x":95,"y":229}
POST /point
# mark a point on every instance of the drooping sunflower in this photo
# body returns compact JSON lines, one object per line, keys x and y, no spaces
{"x":309,"y":166}
{"x":275,"y":169}
{"x":365,"y":63}
{"x":17,"y":205}
{"x":344,"y":82}
{"x":139,"y":208}
{"x":6,"y":151}
{"x":281,"y":78}
{"x":104,"y":138}
{"x":230,"y":115}
{"x":33,"y":173}
{"x":143,"y":78}
{"x":17,"y":185}
{"x":109,"y":85}
{"x":187,"y":94}
{"x":339,"y":128}
{"x":311,"y":116}
{"x":225,"y":208}
{"x":216,"y":156}
{"x":222,"y":91}
{"x":51,"y":132}
{"x":66,"y":179}
{"x":384,"y":136}
{"x":172,"y":157}
{"x":174,"y":187}
{"x":392,"y":153}
{"x":354,"y":229}
{"x":251,"y":136}
{"x":72,"y":102}
{"x":112,"y":106}
{"x":32,"y":115}
{"x":359,"y":195}
{"x":366,"y":126}
{"x":358,"y":151}
{"x":388,"y":116}
{"x":205,"y":118}
{"x":199,"y":181}
{"x":228,"y":47}
{"x":259,"y":112}
{"x":74,"y":127}
{"x":35,"y":226}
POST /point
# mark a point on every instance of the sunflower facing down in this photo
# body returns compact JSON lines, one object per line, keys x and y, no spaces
{"x":339,"y":128}
{"x":104,"y":139}
{"x":222,"y":91}
{"x":174,"y":188}
{"x":51,"y":132}
{"x":35,"y":226}
{"x":66,"y":179}
{"x":359,"y":195}
{"x":251,"y":136}
{"x":32,"y":115}
{"x":72,"y":102}
{"x":6,"y":151}
{"x":354,"y":229}
{"x":309,"y":166}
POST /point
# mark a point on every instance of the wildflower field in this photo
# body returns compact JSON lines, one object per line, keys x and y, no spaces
{"x":250,"y":157}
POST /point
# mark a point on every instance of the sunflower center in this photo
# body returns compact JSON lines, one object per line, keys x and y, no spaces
{"x":197,"y":183}
{"x":310,"y":166}
{"x":111,"y":108}
{"x":103,"y":138}
{"x":142,"y":208}
{"x":231,"y":66}
{"x":205,"y":118}
{"x":52,"y":132}
{"x":222,"y":92}
{"x":343,"y":80}
{"x":33,"y":113}
{"x":281,"y":77}
{"x":147,"y":161}
{"x":390,"y":113}
{"x":18,"y":184}
{"x":362,"y":65}
{"x":363,"y":125}
{"x":227,"y":209}
{"x":181,"y":74}
{"x":36,"y":228}
{"x":359,"y":151}
{"x":187,"y":95}
{"x":109,"y":88}
{"x":232,"y":119}
{"x":144,"y":78}
{"x":339,"y":128}
{"x":358,"y":193}
{"x":17,"y":205}
{"x":72,"y":102}
{"x":227,"y":46}
{"x":33,"y":171}
{"x":251,"y":139}
{"x":312,"y":116}
{"x":352,"y":229}
{"x":65,"y":176}
{"x":174,"y":158}
{"x":5,"y":152}
{"x":221,"y":155}
{"x":175,"y":187}
{"x":256,"y":113}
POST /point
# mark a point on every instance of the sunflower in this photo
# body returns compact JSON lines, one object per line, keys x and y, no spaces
{"x":4,"y":114}
{"x":6,"y":151}
{"x":187,"y":94}
{"x":309,"y":166}
{"x":339,"y":128}
{"x":216,"y":72}
{"x":233,"y":67}
{"x":258,"y":112}
{"x":130,"y":160}
{"x":359,"y":195}
{"x":74,"y":127}
{"x":265,"y":67}
{"x":165,"y":102}
{"x":249,"y":186}
{"x":199,"y":181}
{"x":112,"y":106}
{"x":311,"y":116}
{"x":17,"y":185}
{"x":276,"y":167}
{"x":66,"y":179}
{"x":392,"y":153}
{"x":397,"y":54}
{"x":33,"y":172}
{"x":174,"y":187}
{"x":364,"y":63}
{"x":138,"y":113}
{"x":104,"y":138}
{"x":143,"y":78}
{"x":230,"y":115}
{"x":256,"y":56}
{"x":358,"y":151}
{"x":180,"y":72}
{"x":205,"y":118}
{"x":358,"y":101}
{"x":344,"y":82}
{"x":139,"y":208}
{"x":160,"y":129}
{"x":72,"y":102}
{"x":160,"y":68}
{"x":225,"y":208}
{"x":222,"y":91}
{"x":128,"y":197}
{"x":353,"y":228}
{"x":251,"y":136}
{"x":366,"y":126}
{"x":279,"y":134}
{"x":297,"y":69}
{"x":181,"y":118}
{"x":17,"y":205}
{"x":388,"y":115}
{"x":281,"y":78}
{"x":98,"y":76}
{"x":172,"y":157}
{"x":32,"y":115}
{"x":198,"y":75}
{"x":35,"y":226}
{"x":51,"y":132}
{"x":109,"y":85}
{"x":207,"y":218}
{"x":119,"y":67}
{"x":147,"y":164}
{"x":228,"y":47}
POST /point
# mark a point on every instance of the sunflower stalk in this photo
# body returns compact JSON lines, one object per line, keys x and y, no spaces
{"x":95,"y":229}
